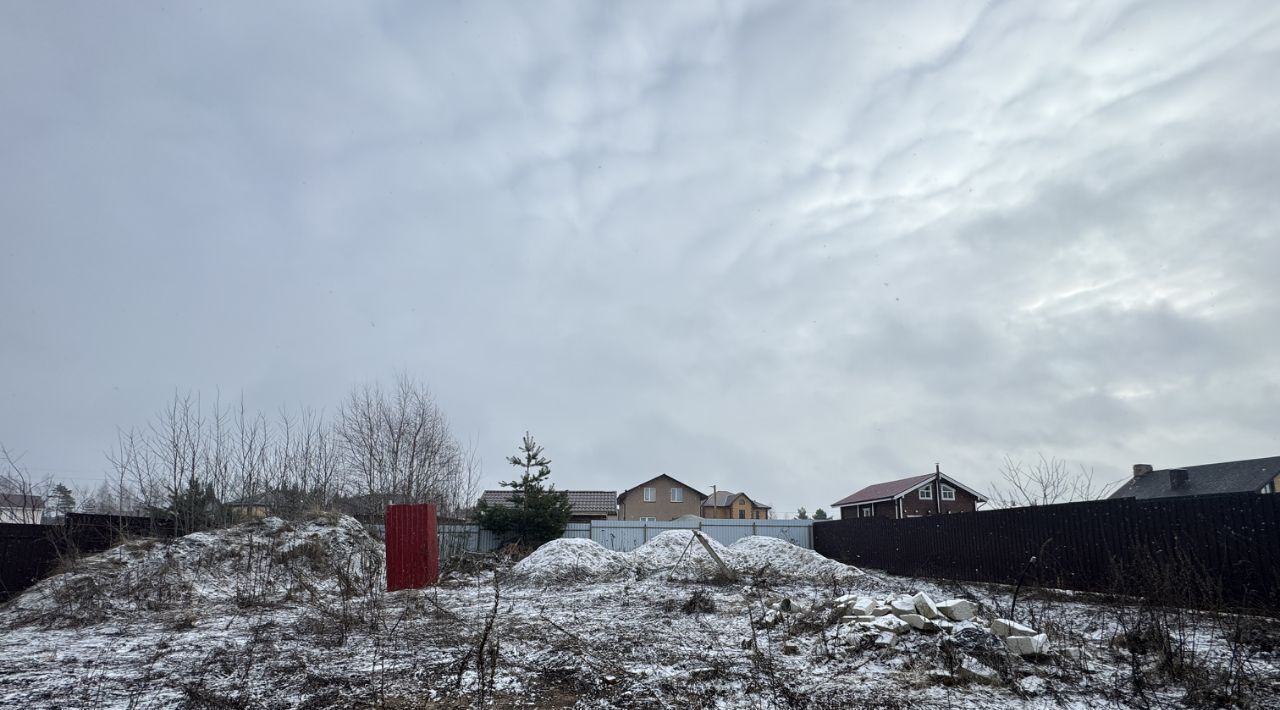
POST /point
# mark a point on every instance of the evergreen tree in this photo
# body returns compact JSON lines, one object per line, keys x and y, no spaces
{"x":193,"y":507}
{"x":819,"y":514}
{"x":538,"y":512}
{"x":802,"y":514}
{"x":61,"y":501}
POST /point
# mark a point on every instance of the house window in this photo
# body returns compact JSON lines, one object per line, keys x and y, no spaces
{"x":677,"y":495}
{"x":650,"y":494}
{"x":648,"y":519}
{"x":742,"y":514}
{"x":868,"y":511}
{"x":948,"y":493}
{"x":926,"y":493}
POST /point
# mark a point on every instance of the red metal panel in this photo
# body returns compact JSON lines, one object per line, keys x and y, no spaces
{"x":413,"y":549}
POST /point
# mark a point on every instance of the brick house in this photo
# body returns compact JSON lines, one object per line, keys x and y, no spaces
{"x":927,"y":494}
{"x":586,"y":505}
{"x":660,"y":498}
{"x":730,"y":505}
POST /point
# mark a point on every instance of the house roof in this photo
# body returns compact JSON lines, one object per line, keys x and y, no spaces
{"x":695,"y":491}
{"x":724,"y":498}
{"x":1205,"y":479}
{"x":896,"y":489}
{"x":19,"y":500}
{"x":581,"y":502}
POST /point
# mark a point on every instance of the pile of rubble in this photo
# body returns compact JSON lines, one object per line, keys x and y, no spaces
{"x":882,"y":622}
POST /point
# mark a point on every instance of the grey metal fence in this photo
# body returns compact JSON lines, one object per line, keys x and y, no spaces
{"x":627,"y":535}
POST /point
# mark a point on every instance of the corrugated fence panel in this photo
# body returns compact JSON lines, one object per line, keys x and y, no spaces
{"x":412,"y":546}
{"x":1211,"y":551}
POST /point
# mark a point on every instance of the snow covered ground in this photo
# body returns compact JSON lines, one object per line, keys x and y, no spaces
{"x":279,"y":615}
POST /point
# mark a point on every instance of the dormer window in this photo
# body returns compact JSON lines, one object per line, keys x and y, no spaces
{"x":926,"y":493}
{"x":948,"y":493}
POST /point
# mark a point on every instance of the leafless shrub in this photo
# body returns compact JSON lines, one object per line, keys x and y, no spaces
{"x":1044,"y":482}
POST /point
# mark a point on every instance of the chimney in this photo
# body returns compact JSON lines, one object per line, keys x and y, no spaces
{"x":1141,"y":469}
{"x":1177,"y":478}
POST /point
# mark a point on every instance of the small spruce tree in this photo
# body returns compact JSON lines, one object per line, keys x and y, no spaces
{"x":819,"y":514}
{"x":538,"y":512}
{"x":61,"y":501}
{"x":802,"y":514}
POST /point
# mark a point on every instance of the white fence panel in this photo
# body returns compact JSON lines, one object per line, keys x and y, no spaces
{"x":577,"y":530}
{"x":627,"y":535}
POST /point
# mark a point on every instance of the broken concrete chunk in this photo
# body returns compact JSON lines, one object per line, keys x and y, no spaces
{"x":903,"y":606}
{"x":958,"y":609}
{"x":846,"y":598}
{"x":881,"y":610}
{"x":944,"y":625}
{"x":975,"y":670}
{"x":886,"y":639}
{"x":1028,"y":645}
{"x":1032,"y":685}
{"x":924,"y":606}
{"x":892,"y":624}
{"x":857,"y":619}
{"x":863,"y":606}
{"x":919,"y":623}
{"x":1005,"y":627}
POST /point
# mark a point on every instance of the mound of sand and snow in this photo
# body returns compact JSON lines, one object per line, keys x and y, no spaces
{"x":677,"y":555}
{"x":263,"y":562}
{"x":762,"y":556}
{"x":573,"y":558}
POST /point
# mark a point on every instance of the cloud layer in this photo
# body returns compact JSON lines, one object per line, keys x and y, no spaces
{"x":787,"y":248}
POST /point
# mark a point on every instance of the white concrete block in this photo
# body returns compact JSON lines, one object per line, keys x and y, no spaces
{"x":1028,"y":645}
{"x":1005,"y":627}
{"x":958,"y":609}
{"x":925,"y":606}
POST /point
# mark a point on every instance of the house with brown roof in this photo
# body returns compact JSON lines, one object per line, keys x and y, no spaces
{"x":660,"y":498}
{"x":733,"y":506}
{"x":586,"y":505}
{"x":927,"y":494}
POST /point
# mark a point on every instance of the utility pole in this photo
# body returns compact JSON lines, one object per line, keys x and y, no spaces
{"x":937,"y":487}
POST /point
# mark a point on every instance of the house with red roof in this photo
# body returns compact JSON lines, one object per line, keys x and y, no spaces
{"x":927,"y":494}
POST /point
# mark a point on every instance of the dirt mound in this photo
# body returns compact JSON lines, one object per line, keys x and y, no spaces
{"x":266,"y":562}
{"x":769,"y":556}
{"x":568,"y":559}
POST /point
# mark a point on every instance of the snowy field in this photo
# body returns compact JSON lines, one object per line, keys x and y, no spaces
{"x":292,"y":615}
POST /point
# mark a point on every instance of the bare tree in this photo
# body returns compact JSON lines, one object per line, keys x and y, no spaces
{"x":24,"y":495}
{"x":1044,"y":482}
{"x":399,"y":443}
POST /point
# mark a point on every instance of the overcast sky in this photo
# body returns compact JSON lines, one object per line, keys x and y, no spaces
{"x":791,"y":248}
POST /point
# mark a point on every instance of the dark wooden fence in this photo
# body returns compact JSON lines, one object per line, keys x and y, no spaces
{"x":30,"y":552}
{"x":1212,"y":551}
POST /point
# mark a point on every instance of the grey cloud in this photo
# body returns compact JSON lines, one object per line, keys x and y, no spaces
{"x":787,"y":248}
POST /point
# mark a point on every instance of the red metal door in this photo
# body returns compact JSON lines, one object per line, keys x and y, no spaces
{"x":413,"y":550}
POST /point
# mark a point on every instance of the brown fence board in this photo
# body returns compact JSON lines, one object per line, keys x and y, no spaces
{"x":1222,"y":549}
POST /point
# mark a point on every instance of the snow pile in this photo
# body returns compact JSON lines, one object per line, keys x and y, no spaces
{"x":771,"y":556}
{"x":676,"y":553}
{"x":570,"y":558}
{"x":266,"y":562}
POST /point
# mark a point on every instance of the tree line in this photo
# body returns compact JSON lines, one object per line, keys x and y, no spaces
{"x":197,"y":462}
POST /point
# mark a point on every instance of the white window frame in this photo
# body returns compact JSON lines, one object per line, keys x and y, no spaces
{"x":926,"y":493}
{"x":677,"y":494}
{"x":648,"y":519}
{"x":867,"y":511}
{"x":948,"y":493}
{"x":650,"y":494}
